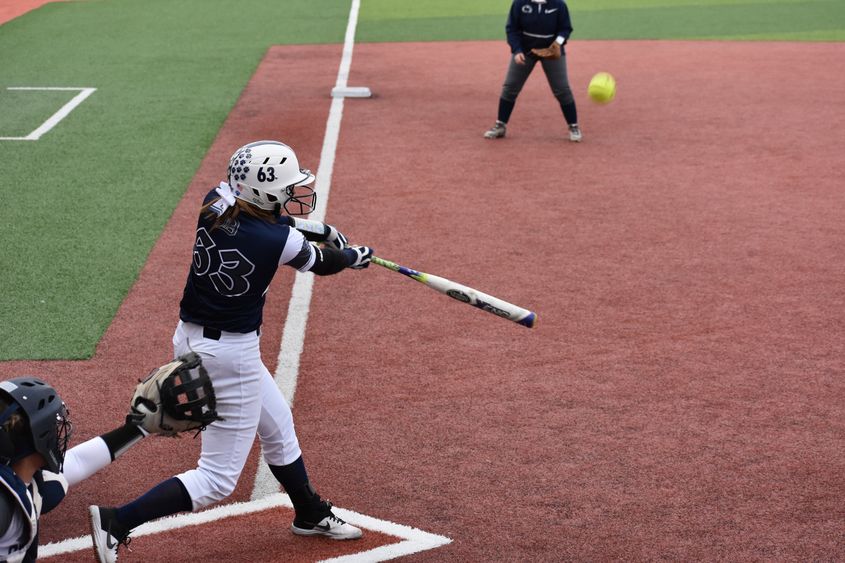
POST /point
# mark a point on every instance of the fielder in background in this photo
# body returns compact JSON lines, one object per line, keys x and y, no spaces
{"x":537,"y":30}
{"x":241,"y":239}
{"x":36,"y":468}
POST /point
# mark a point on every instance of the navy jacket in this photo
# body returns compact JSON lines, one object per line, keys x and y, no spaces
{"x":535,"y":25}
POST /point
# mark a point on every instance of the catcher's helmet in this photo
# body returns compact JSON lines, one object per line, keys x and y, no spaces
{"x":267,"y":175}
{"x":48,"y":427}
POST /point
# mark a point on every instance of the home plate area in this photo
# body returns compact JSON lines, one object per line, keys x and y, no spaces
{"x":254,"y":531}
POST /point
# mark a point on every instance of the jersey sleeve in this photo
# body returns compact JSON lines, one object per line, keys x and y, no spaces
{"x":513,"y":29}
{"x":564,"y":23}
{"x":51,"y":487}
{"x":84,"y":460}
{"x":298,"y":252}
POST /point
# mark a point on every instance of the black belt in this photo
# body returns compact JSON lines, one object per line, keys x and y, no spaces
{"x":216,"y":333}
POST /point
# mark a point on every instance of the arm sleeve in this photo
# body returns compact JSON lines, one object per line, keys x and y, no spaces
{"x":316,"y":231}
{"x":514,"y":29}
{"x":564,"y":24}
{"x":306,"y":257}
{"x":331,"y":261}
{"x":87,"y":458}
{"x":84,"y":460}
{"x":298,"y":252}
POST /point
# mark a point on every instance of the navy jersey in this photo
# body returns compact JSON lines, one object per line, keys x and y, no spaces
{"x":20,"y":508}
{"x":233,"y":266}
{"x":534,"y":25}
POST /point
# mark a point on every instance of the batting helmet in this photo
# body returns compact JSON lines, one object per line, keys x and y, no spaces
{"x":47,"y":430}
{"x":267,"y":175}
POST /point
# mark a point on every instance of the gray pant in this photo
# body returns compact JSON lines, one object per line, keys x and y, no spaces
{"x":555,"y":73}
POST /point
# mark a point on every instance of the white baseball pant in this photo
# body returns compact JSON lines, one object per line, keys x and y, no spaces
{"x":248,"y":400}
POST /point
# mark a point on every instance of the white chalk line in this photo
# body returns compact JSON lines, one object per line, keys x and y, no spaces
{"x":414,"y":540}
{"x":54,"y":119}
{"x":293,"y":335}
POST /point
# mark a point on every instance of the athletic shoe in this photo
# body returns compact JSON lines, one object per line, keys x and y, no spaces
{"x":326,"y":524}
{"x":575,"y":133}
{"x":107,"y":533}
{"x":496,"y":132}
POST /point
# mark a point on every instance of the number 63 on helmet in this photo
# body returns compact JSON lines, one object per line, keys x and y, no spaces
{"x":267,"y":175}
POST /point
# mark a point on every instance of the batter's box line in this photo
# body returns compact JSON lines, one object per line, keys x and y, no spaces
{"x":54,"y":119}
{"x":413,"y":539}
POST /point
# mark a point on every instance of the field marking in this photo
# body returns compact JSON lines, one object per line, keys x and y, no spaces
{"x":341,"y":90}
{"x":54,"y":119}
{"x":413,"y":539}
{"x":293,"y":335}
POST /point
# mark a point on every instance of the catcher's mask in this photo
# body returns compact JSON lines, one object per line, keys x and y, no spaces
{"x":190,"y":393}
{"x":48,"y":426}
{"x":267,"y":175}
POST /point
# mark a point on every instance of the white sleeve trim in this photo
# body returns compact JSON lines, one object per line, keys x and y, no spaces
{"x":293,"y":246}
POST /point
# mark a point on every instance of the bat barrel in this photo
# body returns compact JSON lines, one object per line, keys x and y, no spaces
{"x":465,"y":294}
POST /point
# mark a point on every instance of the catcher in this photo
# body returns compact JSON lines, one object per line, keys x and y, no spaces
{"x":36,"y":468}
{"x":537,"y":30}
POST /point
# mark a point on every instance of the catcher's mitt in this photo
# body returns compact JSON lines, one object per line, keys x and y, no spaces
{"x":550,"y":52}
{"x":174,"y":398}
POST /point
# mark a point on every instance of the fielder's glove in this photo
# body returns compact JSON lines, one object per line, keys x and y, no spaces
{"x":174,"y":398}
{"x":550,"y":52}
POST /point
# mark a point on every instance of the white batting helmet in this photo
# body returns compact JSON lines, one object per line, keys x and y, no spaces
{"x":267,"y":174}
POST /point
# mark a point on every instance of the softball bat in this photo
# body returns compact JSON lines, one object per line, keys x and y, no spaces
{"x":465,"y":294}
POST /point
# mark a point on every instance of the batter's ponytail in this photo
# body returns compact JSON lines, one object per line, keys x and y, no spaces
{"x":232,"y":212}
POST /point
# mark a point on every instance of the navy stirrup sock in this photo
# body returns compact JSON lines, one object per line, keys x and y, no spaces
{"x":294,"y":479}
{"x":570,"y":114}
{"x":166,"y":498}
{"x":505,"y":110}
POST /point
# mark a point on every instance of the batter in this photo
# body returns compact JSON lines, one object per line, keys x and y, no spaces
{"x":242,"y":237}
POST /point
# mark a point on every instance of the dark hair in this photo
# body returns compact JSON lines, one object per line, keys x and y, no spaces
{"x":233,"y":211}
{"x":15,"y":437}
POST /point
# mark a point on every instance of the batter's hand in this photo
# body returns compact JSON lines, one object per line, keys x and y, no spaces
{"x":336,"y":239}
{"x":361,"y":256}
{"x":519,"y":58}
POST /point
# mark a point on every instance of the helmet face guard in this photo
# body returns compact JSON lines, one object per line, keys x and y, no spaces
{"x":301,"y":200}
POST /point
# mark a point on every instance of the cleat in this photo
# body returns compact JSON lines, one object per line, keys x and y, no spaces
{"x":496,"y":132}
{"x":575,"y":133}
{"x":326,"y":524}
{"x":107,"y":534}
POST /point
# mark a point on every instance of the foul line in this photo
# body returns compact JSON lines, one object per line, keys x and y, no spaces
{"x":414,"y":540}
{"x":54,"y":119}
{"x":293,"y":336}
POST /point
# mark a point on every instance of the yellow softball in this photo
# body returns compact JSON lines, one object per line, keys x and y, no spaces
{"x":602,"y":88}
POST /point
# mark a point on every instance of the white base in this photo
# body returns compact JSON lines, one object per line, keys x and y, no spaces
{"x":352,"y":92}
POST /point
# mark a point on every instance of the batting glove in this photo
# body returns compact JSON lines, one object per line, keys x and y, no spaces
{"x":336,"y":239}
{"x":359,"y":256}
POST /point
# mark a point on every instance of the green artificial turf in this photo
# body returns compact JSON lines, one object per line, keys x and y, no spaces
{"x":794,"y":20}
{"x":82,"y":207}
